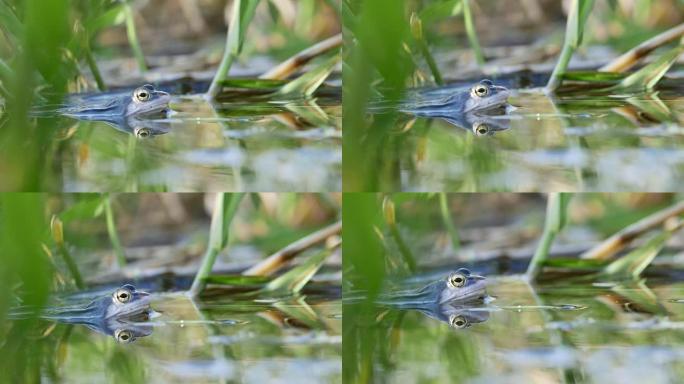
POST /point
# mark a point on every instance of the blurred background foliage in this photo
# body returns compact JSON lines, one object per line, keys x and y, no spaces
{"x":488,"y":225}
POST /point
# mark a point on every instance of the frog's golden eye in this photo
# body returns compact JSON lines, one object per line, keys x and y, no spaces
{"x":456,"y":280}
{"x":480,"y":90}
{"x":458,"y":321}
{"x":142,"y":94}
{"x":481,"y":129}
{"x":123,"y":336}
{"x":143,"y":133}
{"x":123,"y":295}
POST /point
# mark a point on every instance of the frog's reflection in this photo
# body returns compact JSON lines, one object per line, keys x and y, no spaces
{"x":141,"y":128}
{"x":457,"y":299}
{"x":122,"y":314}
{"x":459,"y":317}
{"x":480,"y":109}
{"x":484,"y":125}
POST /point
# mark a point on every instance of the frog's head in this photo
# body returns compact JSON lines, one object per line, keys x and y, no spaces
{"x":485,"y":96}
{"x":462,"y":286}
{"x":146,"y":100}
{"x":127,"y":302}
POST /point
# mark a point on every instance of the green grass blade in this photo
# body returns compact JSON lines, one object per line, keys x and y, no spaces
{"x":649,"y":76}
{"x":301,"y":311}
{"x":237,"y":280}
{"x":388,"y":211}
{"x":225,"y":207}
{"x":57,"y":230}
{"x":574,"y":32}
{"x":556,"y":219}
{"x":633,"y":263}
{"x":417,"y":32}
{"x":113,"y":234}
{"x":9,"y":23}
{"x":654,"y":107}
{"x":242,"y":14}
{"x":472,"y":33}
{"x":6,"y":73}
{"x":133,"y":38}
{"x":438,"y":10}
{"x":113,"y":16}
{"x":295,"y":279}
{"x":307,"y":83}
{"x":448,"y":223}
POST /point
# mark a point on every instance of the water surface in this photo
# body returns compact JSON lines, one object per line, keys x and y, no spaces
{"x":627,"y":333}
{"x":570,"y":142}
{"x":241,"y":144}
{"x":218,"y":339}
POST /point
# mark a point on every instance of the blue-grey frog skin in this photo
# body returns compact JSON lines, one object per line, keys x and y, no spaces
{"x":143,"y":101}
{"x":456,"y":299}
{"x":460,"y":286}
{"x":477,"y":109}
{"x":132,"y":112}
{"x":120,"y":314}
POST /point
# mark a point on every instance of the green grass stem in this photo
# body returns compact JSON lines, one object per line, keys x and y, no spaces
{"x":113,"y":234}
{"x":472,"y":33}
{"x":224,"y":210}
{"x":448,"y":223}
{"x":133,"y":38}
{"x":241,"y":16}
{"x":556,"y":218}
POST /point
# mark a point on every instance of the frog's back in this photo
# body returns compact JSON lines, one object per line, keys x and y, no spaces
{"x":95,"y":108}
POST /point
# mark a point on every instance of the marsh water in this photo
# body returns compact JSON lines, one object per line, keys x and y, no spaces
{"x":222,"y":338}
{"x":559,"y":332}
{"x":241,"y":142}
{"x":575,"y":141}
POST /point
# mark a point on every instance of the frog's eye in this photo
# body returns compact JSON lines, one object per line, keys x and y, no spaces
{"x":456,"y":280}
{"x":142,"y":94}
{"x":480,"y":90}
{"x":123,"y":336}
{"x":143,"y":133}
{"x":458,"y":321}
{"x":481,"y":129}
{"x":123,"y":295}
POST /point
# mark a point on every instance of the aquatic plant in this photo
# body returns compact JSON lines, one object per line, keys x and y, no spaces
{"x":225,"y":207}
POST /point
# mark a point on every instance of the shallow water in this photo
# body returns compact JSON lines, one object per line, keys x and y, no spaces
{"x":569,"y":143}
{"x":222,"y":339}
{"x":553,"y":333}
{"x":245,"y":145}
